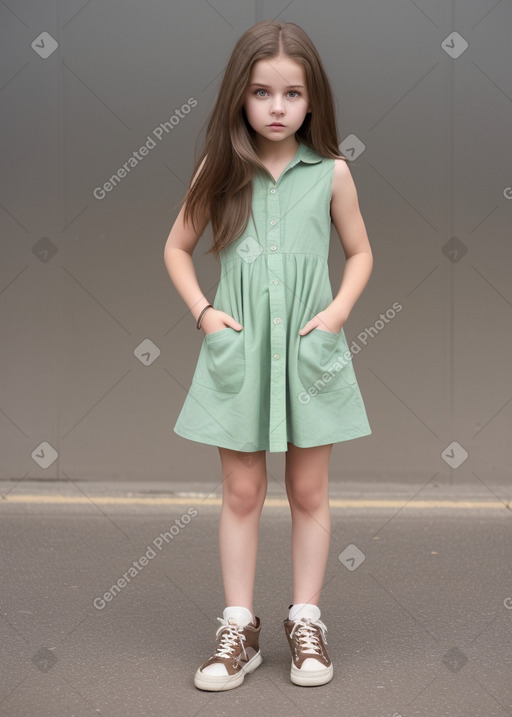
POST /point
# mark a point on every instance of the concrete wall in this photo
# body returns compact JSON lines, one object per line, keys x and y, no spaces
{"x":82,"y":278}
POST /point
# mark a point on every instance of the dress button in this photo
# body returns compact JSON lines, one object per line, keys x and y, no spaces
{"x":272,"y":191}
{"x":276,"y":356}
{"x":275,"y":281}
{"x":273,"y":247}
{"x":277,"y":320}
{"x":273,"y":221}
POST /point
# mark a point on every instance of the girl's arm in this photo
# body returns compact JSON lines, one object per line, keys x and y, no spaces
{"x":178,"y":251}
{"x":351,"y":229}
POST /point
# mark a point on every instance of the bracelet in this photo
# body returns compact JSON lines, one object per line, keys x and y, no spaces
{"x":208,"y":306}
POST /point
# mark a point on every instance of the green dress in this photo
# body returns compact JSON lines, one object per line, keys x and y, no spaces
{"x":265,"y":385}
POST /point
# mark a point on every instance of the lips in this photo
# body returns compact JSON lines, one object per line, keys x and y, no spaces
{"x":276,"y":124}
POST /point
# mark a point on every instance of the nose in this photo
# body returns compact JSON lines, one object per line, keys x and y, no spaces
{"x":277,"y":105}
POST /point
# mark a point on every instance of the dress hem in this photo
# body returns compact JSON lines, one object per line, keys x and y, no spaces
{"x":273,"y":450}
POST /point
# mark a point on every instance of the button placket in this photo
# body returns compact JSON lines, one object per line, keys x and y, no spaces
{"x":277,"y":349}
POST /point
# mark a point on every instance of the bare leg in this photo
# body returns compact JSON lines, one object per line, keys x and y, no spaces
{"x":307,"y":473}
{"x":243,"y":495}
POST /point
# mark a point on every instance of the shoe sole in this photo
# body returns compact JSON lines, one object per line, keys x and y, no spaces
{"x":216,"y":683}
{"x":311,"y":679}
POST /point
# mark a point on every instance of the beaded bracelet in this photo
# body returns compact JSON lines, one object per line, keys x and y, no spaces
{"x":208,"y":306}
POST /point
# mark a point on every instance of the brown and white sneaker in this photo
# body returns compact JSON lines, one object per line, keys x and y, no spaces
{"x":237,"y":654}
{"x":311,"y":665}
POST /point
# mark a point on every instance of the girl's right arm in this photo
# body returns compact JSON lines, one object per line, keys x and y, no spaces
{"x":178,"y":252}
{"x":179,"y":247}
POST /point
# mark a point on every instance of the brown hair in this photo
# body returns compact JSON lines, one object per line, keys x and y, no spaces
{"x":224,"y":186}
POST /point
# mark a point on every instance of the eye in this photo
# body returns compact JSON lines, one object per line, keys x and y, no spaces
{"x":295,"y":93}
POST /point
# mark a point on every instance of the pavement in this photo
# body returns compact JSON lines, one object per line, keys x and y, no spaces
{"x":417,"y":601}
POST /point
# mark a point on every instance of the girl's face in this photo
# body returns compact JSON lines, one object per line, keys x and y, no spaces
{"x":276,"y":93}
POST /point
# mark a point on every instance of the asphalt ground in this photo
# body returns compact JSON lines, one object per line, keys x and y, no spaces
{"x":417,"y":601}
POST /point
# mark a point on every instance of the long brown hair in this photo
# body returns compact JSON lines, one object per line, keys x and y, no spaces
{"x":224,"y":185}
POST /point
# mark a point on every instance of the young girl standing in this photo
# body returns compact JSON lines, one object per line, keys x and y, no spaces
{"x":274,"y":371}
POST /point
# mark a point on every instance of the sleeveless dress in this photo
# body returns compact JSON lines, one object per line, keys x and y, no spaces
{"x":265,"y":385}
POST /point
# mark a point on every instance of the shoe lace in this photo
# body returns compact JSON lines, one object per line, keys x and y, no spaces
{"x":307,"y":634}
{"x":231,"y":635}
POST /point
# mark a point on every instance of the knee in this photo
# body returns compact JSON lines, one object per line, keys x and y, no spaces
{"x":306,"y":493}
{"x":244,"y":496}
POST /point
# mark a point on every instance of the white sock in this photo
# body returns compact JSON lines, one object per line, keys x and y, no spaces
{"x":302,"y":609}
{"x":242,"y":615}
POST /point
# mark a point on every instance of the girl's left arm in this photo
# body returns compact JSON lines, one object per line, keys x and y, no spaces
{"x":351,"y":229}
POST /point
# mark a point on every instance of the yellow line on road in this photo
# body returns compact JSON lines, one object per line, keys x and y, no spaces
{"x":271,"y":502}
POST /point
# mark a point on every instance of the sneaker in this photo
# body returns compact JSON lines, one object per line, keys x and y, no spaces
{"x":237,"y":654}
{"x":306,"y":636}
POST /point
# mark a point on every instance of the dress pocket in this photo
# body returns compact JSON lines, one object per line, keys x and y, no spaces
{"x":324,"y":362}
{"x":221,"y":361}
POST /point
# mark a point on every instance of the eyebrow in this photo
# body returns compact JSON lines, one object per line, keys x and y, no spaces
{"x":261,"y":84}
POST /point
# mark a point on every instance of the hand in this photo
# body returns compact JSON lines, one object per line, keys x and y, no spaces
{"x":327,"y":320}
{"x":214,"y":320}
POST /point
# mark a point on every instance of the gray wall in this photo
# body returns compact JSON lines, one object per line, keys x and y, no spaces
{"x":82,"y":279}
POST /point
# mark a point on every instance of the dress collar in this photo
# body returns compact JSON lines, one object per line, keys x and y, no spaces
{"x":306,"y":154}
{"x":302,"y":154}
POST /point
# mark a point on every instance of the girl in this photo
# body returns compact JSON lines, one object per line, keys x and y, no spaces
{"x":274,"y":370}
